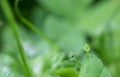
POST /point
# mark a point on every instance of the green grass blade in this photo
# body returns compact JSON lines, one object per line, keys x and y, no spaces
{"x":33,"y":28}
{"x":10,"y":17}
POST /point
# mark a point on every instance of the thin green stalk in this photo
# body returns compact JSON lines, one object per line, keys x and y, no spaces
{"x":9,"y":15}
{"x":32,"y":27}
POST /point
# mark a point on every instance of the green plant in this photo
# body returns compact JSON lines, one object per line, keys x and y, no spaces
{"x":62,"y":50}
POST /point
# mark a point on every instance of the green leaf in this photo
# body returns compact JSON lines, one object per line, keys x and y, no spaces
{"x":67,"y":72}
{"x":93,"y":67}
{"x":105,"y":73}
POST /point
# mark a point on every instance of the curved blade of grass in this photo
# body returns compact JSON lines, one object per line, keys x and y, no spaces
{"x":9,"y":15}
{"x":32,"y":27}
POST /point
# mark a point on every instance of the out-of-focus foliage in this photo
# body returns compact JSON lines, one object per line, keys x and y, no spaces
{"x":70,"y":24}
{"x":66,"y":8}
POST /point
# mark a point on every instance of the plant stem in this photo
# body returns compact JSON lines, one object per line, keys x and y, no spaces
{"x":32,"y":27}
{"x":10,"y":17}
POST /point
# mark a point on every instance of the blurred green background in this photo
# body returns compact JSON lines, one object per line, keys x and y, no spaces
{"x":70,"y":24}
